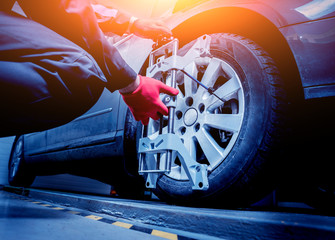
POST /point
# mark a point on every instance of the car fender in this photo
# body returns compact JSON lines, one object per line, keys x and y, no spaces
{"x":280,"y":13}
{"x":284,"y":19}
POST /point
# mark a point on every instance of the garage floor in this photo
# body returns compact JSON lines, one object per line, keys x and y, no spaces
{"x":24,"y":218}
{"x":44,"y":214}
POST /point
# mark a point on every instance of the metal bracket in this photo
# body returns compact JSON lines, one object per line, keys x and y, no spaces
{"x":164,"y":64}
{"x":195,"y":171}
{"x":156,"y":154}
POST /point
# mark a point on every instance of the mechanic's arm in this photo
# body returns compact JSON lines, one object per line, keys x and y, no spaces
{"x":142,"y":95}
{"x":76,"y":21}
{"x":116,"y":21}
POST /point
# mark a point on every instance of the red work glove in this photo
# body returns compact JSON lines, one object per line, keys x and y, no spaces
{"x":144,"y":102}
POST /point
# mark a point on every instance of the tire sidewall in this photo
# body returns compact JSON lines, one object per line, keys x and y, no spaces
{"x":256,"y":109}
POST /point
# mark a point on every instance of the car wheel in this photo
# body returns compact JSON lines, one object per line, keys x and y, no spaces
{"x":129,"y":184}
{"x":237,"y":137}
{"x":18,"y":173}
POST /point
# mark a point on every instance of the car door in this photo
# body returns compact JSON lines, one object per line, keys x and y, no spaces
{"x":96,"y":125}
{"x":99,"y":124}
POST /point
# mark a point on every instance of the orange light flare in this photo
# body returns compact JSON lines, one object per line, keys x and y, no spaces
{"x":141,"y":8}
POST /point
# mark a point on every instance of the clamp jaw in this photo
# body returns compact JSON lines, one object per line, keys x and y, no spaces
{"x":159,"y":151}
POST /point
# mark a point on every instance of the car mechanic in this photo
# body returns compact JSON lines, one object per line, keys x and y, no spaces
{"x":55,"y":62}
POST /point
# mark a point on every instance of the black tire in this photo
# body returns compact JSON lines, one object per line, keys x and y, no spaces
{"x":19,"y":174}
{"x":129,"y":184}
{"x":248,"y":172}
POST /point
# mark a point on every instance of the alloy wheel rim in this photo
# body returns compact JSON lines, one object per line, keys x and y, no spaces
{"x":208,"y":127}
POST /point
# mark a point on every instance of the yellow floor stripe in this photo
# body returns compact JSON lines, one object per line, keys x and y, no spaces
{"x":93,"y":217}
{"x":122,"y":224}
{"x":58,"y":208}
{"x":164,"y":235}
{"x":73,"y":212}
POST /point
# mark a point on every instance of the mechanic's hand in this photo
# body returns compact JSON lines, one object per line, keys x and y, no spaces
{"x":144,"y":102}
{"x":150,"y":28}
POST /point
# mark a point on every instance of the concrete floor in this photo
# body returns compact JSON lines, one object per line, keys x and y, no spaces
{"x":21,"y":218}
{"x":43,"y":214}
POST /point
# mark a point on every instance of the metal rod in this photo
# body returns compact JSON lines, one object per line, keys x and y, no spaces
{"x":172,"y":109}
{"x":153,"y":171}
{"x":197,"y":81}
{"x":142,"y":155}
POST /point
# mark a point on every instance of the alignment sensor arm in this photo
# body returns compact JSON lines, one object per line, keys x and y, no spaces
{"x":209,"y":89}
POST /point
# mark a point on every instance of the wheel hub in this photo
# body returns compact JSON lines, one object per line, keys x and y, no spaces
{"x":190,"y":117}
{"x":207,"y":127}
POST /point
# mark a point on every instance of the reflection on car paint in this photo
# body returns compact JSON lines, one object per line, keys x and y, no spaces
{"x":317,"y":8}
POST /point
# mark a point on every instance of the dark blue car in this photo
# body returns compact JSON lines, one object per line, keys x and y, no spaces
{"x":272,"y":64}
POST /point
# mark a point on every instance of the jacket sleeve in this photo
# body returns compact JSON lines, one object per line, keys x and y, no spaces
{"x":76,"y":21}
{"x":111,"y":19}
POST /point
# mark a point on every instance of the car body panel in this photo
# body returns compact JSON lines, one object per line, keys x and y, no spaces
{"x":281,"y":13}
{"x":307,"y":26}
{"x":99,"y":121}
{"x":96,"y":125}
{"x":313,"y":47}
{"x":35,"y":143}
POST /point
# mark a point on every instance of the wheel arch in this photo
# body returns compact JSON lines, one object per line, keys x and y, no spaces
{"x":252,"y":25}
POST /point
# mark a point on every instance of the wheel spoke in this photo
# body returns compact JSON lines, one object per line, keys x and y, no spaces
{"x":190,"y":146}
{"x":218,"y":130}
{"x":227,"y":122}
{"x":225,"y":92}
{"x":189,"y":84}
{"x":210,"y":76}
{"x":211,"y":149}
{"x":18,"y":148}
{"x":180,"y":96}
{"x":13,"y":170}
{"x":14,"y":165}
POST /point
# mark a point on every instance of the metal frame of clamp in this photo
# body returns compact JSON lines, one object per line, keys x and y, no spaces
{"x":156,"y":155}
